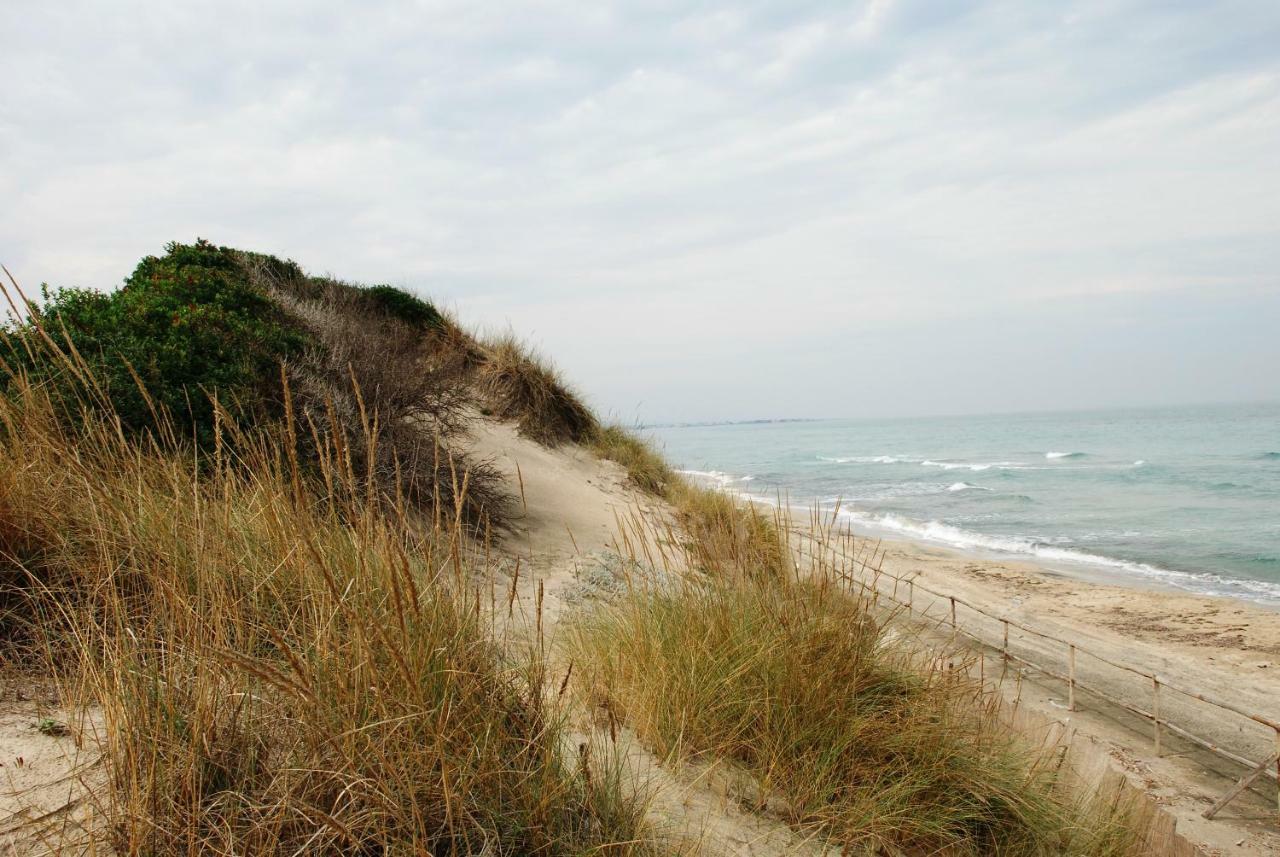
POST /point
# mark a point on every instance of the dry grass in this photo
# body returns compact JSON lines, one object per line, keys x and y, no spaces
{"x":520,"y":385}
{"x":776,"y":663}
{"x":281,"y":665}
{"x":453,"y":349}
{"x":730,"y":539}
{"x":645,"y":466}
{"x":369,"y":375}
{"x":884,"y":752}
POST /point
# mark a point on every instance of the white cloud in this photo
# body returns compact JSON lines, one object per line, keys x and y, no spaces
{"x":636,"y":184}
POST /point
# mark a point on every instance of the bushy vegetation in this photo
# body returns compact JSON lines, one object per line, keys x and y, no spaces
{"x":369,"y":374}
{"x":205,"y":333}
{"x":408,"y":308}
{"x":185,"y":328}
{"x":281,"y":666}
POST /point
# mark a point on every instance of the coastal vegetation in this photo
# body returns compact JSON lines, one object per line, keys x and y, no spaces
{"x":241,"y":525}
{"x":849,"y":731}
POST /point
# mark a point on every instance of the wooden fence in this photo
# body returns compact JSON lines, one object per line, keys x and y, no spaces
{"x":1161,"y":686}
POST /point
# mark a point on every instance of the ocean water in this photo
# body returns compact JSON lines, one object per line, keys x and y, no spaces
{"x":1187,"y":497}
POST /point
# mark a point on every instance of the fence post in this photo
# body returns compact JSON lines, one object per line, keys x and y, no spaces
{"x":1005,"y":649}
{"x":911,"y":595}
{"x":1155,"y":710}
{"x":1071,"y":677}
{"x":953,"y":611}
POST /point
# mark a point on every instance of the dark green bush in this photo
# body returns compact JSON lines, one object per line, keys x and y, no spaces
{"x":410,"y":309}
{"x":189,"y":323}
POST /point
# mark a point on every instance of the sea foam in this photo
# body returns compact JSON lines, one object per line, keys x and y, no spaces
{"x":1205,"y":583}
{"x":718,"y":477}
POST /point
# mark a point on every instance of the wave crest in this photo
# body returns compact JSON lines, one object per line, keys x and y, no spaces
{"x":1206,"y":583}
{"x":719,"y":477}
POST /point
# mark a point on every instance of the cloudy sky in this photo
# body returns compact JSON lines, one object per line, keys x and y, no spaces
{"x":701,"y":210}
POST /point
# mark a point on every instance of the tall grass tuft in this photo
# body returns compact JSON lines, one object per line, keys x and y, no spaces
{"x":521,"y":386}
{"x":851,"y":732}
{"x":730,"y":539}
{"x":645,"y":466}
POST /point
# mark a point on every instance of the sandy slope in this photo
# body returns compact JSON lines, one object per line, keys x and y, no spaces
{"x":44,"y":775}
{"x":578,"y":513}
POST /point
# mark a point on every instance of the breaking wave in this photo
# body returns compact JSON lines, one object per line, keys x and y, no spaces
{"x":718,"y":477}
{"x":1205,"y":583}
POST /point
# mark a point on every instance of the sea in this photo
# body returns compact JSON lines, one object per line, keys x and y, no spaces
{"x":1186,"y":497}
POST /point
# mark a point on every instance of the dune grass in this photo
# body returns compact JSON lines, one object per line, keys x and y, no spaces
{"x":645,"y":466}
{"x":879,"y":749}
{"x":729,"y":538}
{"x":282,"y":664}
{"x":779,"y":664}
{"x":522,"y":386}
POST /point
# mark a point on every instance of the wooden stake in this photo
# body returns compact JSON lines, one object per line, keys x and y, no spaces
{"x":1155,"y":710}
{"x":540,"y":640}
{"x":1071,"y":677}
{"x":1244,"y":783}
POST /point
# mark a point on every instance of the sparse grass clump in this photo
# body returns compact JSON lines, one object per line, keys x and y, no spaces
{"x":521,"y":386}
{"x":645,"y":466}
{"x":728,"y":538}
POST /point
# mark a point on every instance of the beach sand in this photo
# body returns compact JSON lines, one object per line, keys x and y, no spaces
{"x":1221,"y":648}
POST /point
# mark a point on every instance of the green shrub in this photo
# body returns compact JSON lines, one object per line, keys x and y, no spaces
{"x":397,"y":303}
{"x":188,"y":323}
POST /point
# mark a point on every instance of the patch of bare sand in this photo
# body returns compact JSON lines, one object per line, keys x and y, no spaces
{"x":49,"y":769}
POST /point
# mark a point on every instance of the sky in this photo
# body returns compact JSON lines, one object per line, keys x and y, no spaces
{"x":700,"y":211}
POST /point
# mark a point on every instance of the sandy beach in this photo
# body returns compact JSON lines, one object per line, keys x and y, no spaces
{"x":1224,"y":649}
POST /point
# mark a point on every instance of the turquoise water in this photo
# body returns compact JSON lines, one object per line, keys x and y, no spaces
{"x":1188,"y":497}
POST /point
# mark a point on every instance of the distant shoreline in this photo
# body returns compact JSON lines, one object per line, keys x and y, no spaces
{"x":709,"y":423}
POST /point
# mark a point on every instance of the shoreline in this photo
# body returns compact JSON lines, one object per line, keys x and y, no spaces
{"x":1100,"y":574}
{"x":1164,"y":627}
{"x":1095,"y":569}
{"x":1224,"y":648}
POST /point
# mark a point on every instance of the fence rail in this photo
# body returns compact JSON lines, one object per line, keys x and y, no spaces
{"x":1268,"y":767}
